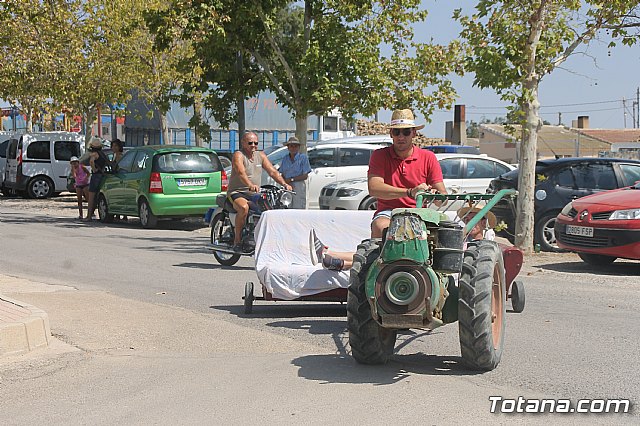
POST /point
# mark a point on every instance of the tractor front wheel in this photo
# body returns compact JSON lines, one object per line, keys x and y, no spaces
{"x":370,"y":343}
{"x":481,"y":306}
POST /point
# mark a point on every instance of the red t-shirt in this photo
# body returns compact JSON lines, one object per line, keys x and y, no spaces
{"x":421,"y":167}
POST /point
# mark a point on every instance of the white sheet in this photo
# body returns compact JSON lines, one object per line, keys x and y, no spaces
{"x":282,"y":256}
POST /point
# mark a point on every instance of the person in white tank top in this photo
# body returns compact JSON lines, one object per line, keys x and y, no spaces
{"x":246,"y":172}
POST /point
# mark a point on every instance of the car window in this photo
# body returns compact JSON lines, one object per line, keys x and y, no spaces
{"x":13,"y":148}
{"x":186,"y":162}
{"x":322,"y":157}
{"x":140,"y":162}
{"x":584,"y":178}
{"x":64,"y":150}
{"x":605,"y":176}
{"x":451,"y":168}
{"x":126,"y":162}
{"x":564,"y":177}
{"x":631,"y":173}
{"x":480,"y":169}
{"x":501,"y":169}
{"x":3,"y":149}
{"x":39,"y":150}
{"x":354,"y":156}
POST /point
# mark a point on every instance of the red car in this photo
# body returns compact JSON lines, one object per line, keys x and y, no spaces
{"x":602,"y":227}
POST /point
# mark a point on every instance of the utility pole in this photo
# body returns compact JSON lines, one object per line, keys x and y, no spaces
{"x":624,"y":113}
{"x":637,"y":107}
{"x":559,"y":119}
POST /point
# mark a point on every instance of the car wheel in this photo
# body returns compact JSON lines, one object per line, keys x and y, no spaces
{"x":544,"y":234}
{"x":40,"y":187}
{"x":103,"y":210}
{"x":369,"y":203}
{"x":147,"y":218}
{"x":596,"y":259}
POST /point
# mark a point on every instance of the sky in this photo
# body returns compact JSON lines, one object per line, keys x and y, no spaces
{"x":581,"y":87}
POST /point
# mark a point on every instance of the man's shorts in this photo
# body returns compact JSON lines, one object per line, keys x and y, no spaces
{"x":382,"y":213}
{"x":95,"y":182}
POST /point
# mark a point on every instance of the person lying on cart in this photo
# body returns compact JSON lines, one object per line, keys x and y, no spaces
{"x":396,"y":174}
{"x":483,"y":230}
{"x":246,"y":176}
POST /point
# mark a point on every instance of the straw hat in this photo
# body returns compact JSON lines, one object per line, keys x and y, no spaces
{"x":491,"y":218}
{"x":95,"y":143}
{"x":292,"y":141}
{"x":404,"y":119}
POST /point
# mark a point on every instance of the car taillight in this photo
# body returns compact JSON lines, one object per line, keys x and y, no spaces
{"x":155,"y":183}
{"x":20,"y":157}
{"x":224,"y":181}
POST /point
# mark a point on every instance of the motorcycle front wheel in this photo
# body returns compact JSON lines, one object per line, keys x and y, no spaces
{"x":219,"y":226}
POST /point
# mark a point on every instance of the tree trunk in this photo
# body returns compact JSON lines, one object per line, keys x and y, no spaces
{"x":163,"y":128}
{"x":526,"y":177}
{"x":89,"y":116}
{"x":301,"y":129}
{"x":29,"y":122}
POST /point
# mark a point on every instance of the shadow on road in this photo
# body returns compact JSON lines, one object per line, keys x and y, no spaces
{"x":618,"y":268}
{"x":341,"y":368}
{"x":213,"y":266}
{"x":285,"y":309}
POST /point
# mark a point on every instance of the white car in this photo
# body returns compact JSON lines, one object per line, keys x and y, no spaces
{"x":332,"y":161}
{"x":461,"y":172}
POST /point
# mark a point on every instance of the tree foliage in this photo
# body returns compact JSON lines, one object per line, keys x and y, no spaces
{"x":314,"y":55}
{"x":80,"y":54}
{"x":514,"y":44}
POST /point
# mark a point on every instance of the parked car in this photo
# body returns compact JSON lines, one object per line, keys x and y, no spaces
{"x":38,"y":163}
{"x":461,"y":173}
{"x":162,"y":181}
{"x":452,"y":149}
{"x":332,"y":161}
{"x":558,"y":182}
{"x":602,"y":227}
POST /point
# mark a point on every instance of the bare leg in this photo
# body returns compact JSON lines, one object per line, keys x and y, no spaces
{"x":92,"y":207}
{"x":378,"y":225}
{"x":79,"y":195}
{"x":242,"y":209}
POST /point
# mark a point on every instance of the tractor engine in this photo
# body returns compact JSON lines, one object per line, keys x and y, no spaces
{"x":408,"y":285}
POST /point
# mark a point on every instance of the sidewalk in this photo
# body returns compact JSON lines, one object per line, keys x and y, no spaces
{"x":23,"y":327}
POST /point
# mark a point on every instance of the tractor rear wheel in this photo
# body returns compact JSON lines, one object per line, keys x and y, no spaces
{"x":481,"y":306}
{"x":370,"y":343}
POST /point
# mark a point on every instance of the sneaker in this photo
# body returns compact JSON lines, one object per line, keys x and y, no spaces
{"x":332,"y":263}
{"x":316,"y":248}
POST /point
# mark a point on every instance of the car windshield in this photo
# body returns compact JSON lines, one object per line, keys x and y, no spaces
{"x":187,"y":162}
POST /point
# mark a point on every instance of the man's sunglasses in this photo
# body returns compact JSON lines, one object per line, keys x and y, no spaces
{"x":253,"y":143}
{"x":405,"y":132}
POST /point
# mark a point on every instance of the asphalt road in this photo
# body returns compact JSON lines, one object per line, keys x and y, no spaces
{"x":577,"y":337}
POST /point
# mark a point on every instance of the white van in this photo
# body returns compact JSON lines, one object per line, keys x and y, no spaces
{"x":38,"y":163}
{"x":4,"y":142}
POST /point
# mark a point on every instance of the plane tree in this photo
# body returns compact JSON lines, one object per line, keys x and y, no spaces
{"x":315,"y":55}
{"x":514,"y":44}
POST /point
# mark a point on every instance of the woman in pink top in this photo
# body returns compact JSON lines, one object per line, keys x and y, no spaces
{"x":81,"y":175}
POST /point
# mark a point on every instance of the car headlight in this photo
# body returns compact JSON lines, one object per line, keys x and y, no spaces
{"x":349,"y":192}
{"x":565,"y":211}
{"x":625,"y":214}
{"x":286,"y":198}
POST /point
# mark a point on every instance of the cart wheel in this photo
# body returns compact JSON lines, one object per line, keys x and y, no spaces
{"x":517,"y":296}
{"x":248,"y":297}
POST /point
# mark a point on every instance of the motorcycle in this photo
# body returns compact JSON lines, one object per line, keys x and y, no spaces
{"x":222,"y":221}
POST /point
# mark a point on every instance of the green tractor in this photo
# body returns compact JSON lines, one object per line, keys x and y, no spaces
{"x":407,"y":280}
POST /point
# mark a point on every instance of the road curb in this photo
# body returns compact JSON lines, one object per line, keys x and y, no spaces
{"x":23,"y":328}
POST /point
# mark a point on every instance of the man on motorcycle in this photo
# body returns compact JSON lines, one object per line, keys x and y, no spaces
{"x":246,"y":176}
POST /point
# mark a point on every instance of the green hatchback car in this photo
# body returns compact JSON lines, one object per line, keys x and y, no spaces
{"x":162,"y":181}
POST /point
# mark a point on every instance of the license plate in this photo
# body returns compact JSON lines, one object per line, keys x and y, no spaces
{"x":583,"y":231}
{"x":191,"y":182}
